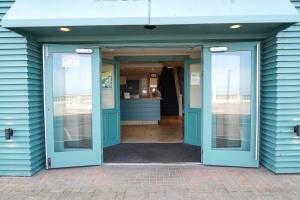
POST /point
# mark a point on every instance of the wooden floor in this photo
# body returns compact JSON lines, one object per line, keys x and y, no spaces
{"x":169,"y":130}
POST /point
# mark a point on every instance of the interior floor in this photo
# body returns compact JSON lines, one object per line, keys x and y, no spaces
{"x":169,"y":130}
{"x":152,"y":153}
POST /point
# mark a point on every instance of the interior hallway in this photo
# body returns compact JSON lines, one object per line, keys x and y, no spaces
{"x":169,"y":130}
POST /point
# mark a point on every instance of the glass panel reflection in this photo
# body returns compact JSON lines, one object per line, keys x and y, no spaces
{"x":108,"y":86}
{"x":195,"y":86}
{"x":231,"y":100}
{"x":72,"y":101}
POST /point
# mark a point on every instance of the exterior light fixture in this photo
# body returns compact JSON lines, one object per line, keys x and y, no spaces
{"x":235,"y":26}
{"x":218,"y":49}
{"x":9,"y":132}
{"x":149,"y":27}
{"x":64,"y":29}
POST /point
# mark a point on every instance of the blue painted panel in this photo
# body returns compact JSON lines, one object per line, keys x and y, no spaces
{"x":69,"y":158}
{"x":111,"y":117}
{"x":239,"y":156}
{"x":83,"y":13}
{"x":140,"y":110}
{"x":111,"y":129}
{"x":192,"y":135}
{"x":280,"y":147}
{"x":192,"y":116}
{"x":34,"y":13}
{"x":21,"y":103}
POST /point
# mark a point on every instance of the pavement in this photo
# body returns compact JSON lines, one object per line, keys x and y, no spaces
{"x":155,"y":182}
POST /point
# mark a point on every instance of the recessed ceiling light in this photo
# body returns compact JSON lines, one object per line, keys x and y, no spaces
{"x":235,"y":26}
{"x":64,"y":29}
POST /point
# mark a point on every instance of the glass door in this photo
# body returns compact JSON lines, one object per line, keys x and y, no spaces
{"x":110,"y":89}
{"x":230,"y":105}
{"x":72,"y":106}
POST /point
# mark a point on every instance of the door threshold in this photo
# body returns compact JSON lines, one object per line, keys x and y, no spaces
{"x":154,"y":164}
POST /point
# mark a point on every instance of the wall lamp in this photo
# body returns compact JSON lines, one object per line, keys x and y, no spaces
{"x":9,"y":132}
{"x":297,"y":130}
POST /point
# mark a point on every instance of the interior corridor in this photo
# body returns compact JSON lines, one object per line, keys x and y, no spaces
{"x":169,"y":130}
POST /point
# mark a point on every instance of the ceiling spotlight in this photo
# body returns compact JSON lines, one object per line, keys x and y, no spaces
{"x":235,"y":26}
{"x":150,"y":27}
{"x":64,"y":29}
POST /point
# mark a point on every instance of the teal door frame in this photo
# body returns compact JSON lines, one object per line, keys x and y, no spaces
{"x":111,"y":123}
{"x":74,"y":157}
{"x":230,"y":157}
{"x":205,"y":109}
{"x":192,"y":116}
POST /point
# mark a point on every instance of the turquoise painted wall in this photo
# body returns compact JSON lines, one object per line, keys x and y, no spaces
{"x":280,"y":100}
{"x":21,"y":102}
{"x":140,"y":110}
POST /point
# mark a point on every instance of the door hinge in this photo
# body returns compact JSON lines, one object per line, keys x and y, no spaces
{"x":49,"y":162}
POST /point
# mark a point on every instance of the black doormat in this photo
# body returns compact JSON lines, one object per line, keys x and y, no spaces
{"x":152,"y":153}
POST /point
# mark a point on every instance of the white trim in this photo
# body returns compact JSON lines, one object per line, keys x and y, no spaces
{"x":257,"y":126}
{"x":45,"y":54}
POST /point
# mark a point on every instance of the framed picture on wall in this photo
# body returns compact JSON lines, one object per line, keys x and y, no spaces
{"x":126,"y":95}
{"x":107,"y":81}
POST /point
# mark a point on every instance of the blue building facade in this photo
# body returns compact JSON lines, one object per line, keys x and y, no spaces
{"x":22,"y":102}
{"x":280,"y":100}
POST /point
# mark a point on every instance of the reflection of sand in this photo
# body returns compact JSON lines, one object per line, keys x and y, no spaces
{"x":72,"y":127}
{"x":231,"y":118}
{"x":73,"y":118}
{"x":72,"y":105}
{"x":238,"y":108}
{"x":232,"y":104}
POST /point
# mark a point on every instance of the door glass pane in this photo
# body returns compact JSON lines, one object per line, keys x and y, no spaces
{"x":231,"y":100}
{"x":108,"y":86}
{"x":72,"y":101}
{"x":195,"y":86}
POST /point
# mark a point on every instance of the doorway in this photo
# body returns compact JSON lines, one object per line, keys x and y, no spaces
{"x":152,"y":105}
{"x":79,"y":123}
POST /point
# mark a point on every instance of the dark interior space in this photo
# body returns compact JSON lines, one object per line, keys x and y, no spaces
{"x":166,"y":84}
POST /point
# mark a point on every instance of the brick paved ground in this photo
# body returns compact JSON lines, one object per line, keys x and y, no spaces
{"x":152,"y":182}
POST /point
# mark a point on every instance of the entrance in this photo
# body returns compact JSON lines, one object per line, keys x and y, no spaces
{"x":221,"y":121}
{"x":157,"y":123}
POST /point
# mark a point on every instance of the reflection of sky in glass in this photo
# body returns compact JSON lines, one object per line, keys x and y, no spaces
{"x":72,"y":80}
{"x":231,"y":73}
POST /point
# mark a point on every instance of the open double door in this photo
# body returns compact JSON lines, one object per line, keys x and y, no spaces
{"x":82,"y":105}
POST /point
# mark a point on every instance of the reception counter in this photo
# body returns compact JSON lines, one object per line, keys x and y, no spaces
{"x":140,"y":111}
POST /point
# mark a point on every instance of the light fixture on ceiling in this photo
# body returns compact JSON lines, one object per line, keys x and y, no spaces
{"x":64,"y":29}
{"x":235,"y":26}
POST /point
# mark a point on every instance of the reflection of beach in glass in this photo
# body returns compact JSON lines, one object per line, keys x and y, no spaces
{"x":231,"y":100}
{"x":72,"y":102}
{"x":107,"y":80}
